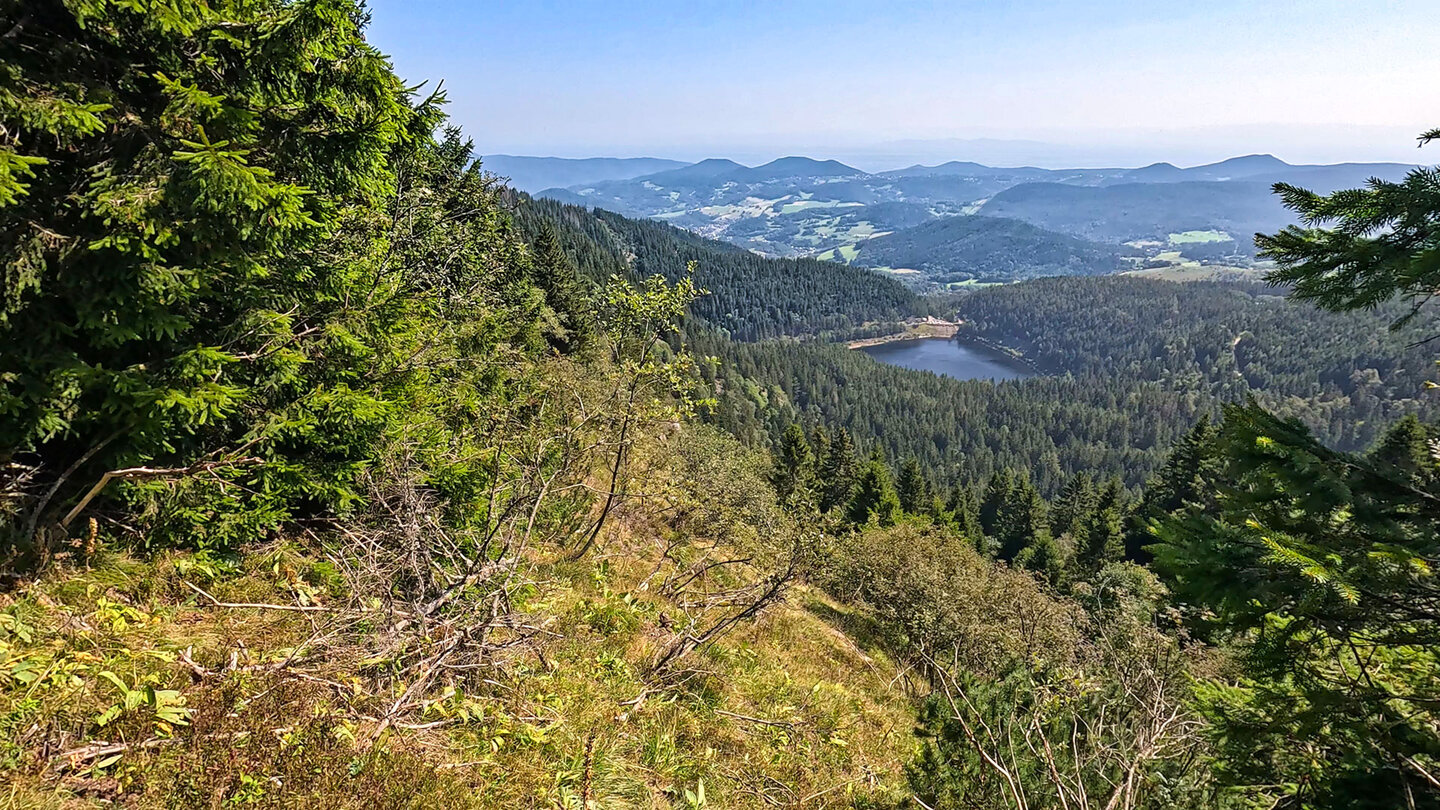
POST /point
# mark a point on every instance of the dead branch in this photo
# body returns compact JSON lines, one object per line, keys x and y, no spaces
{"x":770,"y":591}
{"x":152,"y":472}
{"x":256,"y":605}
{"x":758,"y":720}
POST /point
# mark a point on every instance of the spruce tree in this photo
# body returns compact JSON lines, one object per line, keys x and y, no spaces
{"x":1102,"y":540}
{"x":1358,"y":248}
{"x":1075,"y":507}
{"x":241,"y":262}
{"x":1021,"y":520}
{"x":913,"y":487}
{"x":819,"y":446}
{"x":837,"y":472}
{"x":184,"y":197}
{"x":1180,"y":481}
{"x":1044,"y":557}
{"x":558,"y":279}
{"x":874,"y":496}
{"x":794,"y":472}
{"x":1406,"y":448}
{"x":962,"y":513}
{"x":999,"y":491}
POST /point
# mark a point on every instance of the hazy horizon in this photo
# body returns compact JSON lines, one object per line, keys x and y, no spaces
{"x":884,"y":85}
{"x":1000,"y":152}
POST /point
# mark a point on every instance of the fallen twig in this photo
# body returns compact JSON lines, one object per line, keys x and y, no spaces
{"x":761,"y":721}
{"x":256,"y":605}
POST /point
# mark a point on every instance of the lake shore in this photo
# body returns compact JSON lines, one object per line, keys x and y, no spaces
{"x":929,"y":328}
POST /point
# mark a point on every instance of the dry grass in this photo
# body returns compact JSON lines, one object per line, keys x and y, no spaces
{"x":785,"y":711}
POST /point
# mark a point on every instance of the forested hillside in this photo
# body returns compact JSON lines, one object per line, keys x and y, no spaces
{"x":1143,"y":210}
{"x":749,"y":297}
{"x":961,"y":431}
{"x":1347,"y":375}
{"x":958,"y":249}
{"x":1130,"y":364}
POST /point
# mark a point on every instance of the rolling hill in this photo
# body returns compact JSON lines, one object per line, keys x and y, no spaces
{"x":983,"y":248}
{"x":748,"y":297}
{"x":1135,"y":211}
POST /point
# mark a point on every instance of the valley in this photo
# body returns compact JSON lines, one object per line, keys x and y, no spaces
{"x":1123,"y":364}
{"x":937,"y":226}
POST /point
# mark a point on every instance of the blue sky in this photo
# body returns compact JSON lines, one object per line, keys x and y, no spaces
{"x":1114,"y":81}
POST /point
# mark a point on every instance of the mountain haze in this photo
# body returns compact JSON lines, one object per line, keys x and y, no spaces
{"x":799,"y":206}
{"x":536,"y":173}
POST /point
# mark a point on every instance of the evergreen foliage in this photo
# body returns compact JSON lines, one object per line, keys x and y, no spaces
{"x":1020,"y":520}
{"x":1099,"y":536}
{"x":837,"y":472}
{"x":913,"y":488}
{"x":255,"y":274}
{"x":875,"y":497}
{"x":1344,"y":374}
{"x":794,"y":471}
{"x":1134,"y":364}
{"x":750,"y":298}
{"x":1318,"y":565}
{"x":983,"y":248}
{"x":1360,"y":248}
{"x":188,"y":280}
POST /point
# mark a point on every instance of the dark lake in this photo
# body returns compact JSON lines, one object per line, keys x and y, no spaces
{"x":950,"y":359}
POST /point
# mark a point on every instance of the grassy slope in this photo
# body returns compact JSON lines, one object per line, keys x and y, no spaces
{"x":785,"y":709}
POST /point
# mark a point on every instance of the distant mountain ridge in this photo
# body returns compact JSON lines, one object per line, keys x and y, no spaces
{"x":1259,"y":168}
{"x":798,"y":206}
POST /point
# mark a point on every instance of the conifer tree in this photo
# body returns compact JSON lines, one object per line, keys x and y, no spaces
{"x":1102,"y":540}
{"x":1180,"y":481}
{"x":794,"y":471}
{"x":175,"y":291}
{"x":962,"y":513}
{"x":1320,"y":564}
{"x":1406,"y":448}
{"x":1358,"y":248}
{"x":1075,"y":508}
{"x":874,"y":496}
{"x":241,"y":262}
{"x":1021,"y":520}
{"x":1044,"y":556}
{"x":558,"y":279}
{"x":998,"y":492}
{"x":913,"y":487}
{"x":819,"y":446}
{"x":837,"y":472}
